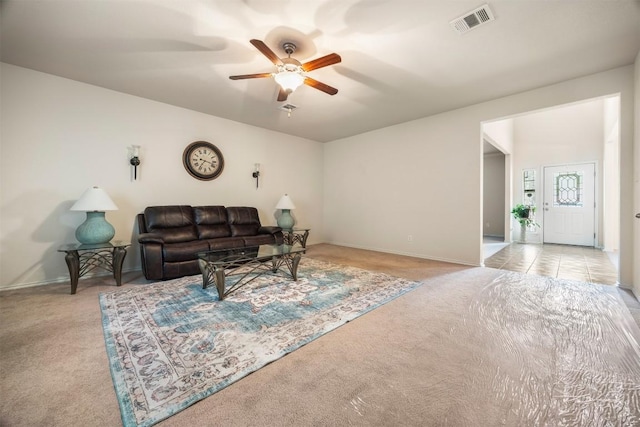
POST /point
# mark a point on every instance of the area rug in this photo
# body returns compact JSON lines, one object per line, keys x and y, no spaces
{"x":171,"y":344}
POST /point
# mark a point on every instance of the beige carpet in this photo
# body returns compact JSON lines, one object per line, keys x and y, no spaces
{"x":385,"y":368}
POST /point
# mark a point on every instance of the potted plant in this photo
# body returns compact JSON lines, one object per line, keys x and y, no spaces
{"x":522,"y":213}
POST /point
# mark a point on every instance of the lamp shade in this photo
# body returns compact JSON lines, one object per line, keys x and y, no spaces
{"x":94,"y":199}
{"x":285,"y":203}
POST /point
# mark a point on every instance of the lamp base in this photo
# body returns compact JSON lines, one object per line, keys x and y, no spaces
{"x":285,"y":220}
{"x":95,"y":230}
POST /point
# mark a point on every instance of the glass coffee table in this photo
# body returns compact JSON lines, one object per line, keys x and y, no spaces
{"x":246,"y":264}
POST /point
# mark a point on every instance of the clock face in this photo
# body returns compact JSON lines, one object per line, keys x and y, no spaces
{"x":203,"y":160}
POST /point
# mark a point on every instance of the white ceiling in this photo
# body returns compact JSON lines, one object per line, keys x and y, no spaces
{"x":401,"y":60}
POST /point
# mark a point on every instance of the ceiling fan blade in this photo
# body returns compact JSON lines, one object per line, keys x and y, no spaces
{"x":332,"y":58}
{"x":282,"y":95}
{"x":264,"y":49}
{"x":251,"y":76}
{"x":320,"y":86}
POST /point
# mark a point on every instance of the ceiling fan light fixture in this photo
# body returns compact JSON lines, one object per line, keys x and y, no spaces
{"x":289,"y":80}
{"x":291,"y":73}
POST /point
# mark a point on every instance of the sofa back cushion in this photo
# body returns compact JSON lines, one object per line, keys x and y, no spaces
{"x":173,"y":223}
{"x":243,"y":221}
{"x":211,"y":222}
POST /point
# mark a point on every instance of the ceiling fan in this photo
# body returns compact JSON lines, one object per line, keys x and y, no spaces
{"x":290,"y":73}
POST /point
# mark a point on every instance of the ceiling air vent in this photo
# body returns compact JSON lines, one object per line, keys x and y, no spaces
{"x":288,"y":108}
{"x":473,"y":19}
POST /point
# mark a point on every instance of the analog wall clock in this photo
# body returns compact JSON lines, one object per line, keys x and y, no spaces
{"x":203,"y":160}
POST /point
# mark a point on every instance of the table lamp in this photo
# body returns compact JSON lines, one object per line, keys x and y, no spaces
{"x":285,"y":220}
{"x":95,"y":229}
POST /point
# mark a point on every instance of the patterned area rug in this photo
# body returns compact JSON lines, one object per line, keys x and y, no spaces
{"x":171,"y":344}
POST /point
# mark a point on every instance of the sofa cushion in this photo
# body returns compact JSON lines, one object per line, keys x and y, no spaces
{"x":211,"y":222}
{"x":225,"y":243}
{"x":183,"y":251}
{"x":243,"y":221}
{"x":261,"y":239}
{"x":180,"y":269}
{"x":173,"y":223}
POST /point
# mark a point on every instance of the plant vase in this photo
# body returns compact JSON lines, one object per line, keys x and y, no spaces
{"x":523,"y":232}
{"x":523,"y":214}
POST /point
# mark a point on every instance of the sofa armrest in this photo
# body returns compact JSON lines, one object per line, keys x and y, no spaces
{"x":269,"y":230}
{"x":151,"y":255}
{"x":150,"y":238}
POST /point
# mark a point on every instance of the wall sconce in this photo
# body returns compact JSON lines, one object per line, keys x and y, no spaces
{"x":135,"y":160}
{"x":256,"y":174}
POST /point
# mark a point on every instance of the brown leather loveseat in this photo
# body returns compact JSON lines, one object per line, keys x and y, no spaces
{"x":171,"y":236}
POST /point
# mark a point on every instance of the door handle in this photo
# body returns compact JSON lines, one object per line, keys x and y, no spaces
{"x":638,"y":215}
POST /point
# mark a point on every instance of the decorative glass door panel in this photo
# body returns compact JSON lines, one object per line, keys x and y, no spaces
{"x":529,"y":187}
{"x":568,"y":188}
{"x":569,"y":204}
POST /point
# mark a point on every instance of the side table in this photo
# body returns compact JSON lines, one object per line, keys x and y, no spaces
{"x":296,"y":235}
{"x":82,"y":259}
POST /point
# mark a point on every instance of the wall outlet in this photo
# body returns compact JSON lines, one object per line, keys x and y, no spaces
{"x":410,"y":238}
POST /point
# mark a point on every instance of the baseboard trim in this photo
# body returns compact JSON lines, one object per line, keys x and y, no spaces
{"x":61,"y":280}
{"x":414,"y":255}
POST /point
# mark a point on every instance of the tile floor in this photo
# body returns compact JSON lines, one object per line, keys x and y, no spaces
{"x":565,"y":262}
{"x":568,"y":262}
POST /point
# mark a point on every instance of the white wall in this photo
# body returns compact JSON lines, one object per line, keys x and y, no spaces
{"x":493,"y":191}
{"x":566,"y":134}
{"x":636,"y":183}
{"x":611,"y":175}
{"x":416,"y":179}
{"x":59,"y":137}
{"x":423,"y":178}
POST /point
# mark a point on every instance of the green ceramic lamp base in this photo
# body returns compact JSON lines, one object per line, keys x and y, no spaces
{"x":95,"y":229}
{"x":285,"y":220}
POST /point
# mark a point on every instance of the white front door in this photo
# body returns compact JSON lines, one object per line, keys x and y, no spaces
{"x":569,"y":204}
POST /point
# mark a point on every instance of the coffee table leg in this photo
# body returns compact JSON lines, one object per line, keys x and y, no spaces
{"x":294,"y":266}
{"x":206,"y":271}
{"x":217,"y":276}
{"x":220,"y":282}
{"x":117,"y":259}
{"x":73,"y":263}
